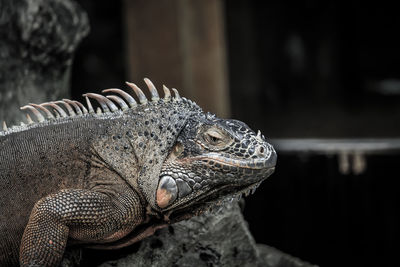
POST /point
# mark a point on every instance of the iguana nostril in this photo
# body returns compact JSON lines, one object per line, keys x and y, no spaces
{"x":260,"y":151}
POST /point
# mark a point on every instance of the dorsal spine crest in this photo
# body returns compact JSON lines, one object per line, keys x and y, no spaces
{"x":66,"y":108}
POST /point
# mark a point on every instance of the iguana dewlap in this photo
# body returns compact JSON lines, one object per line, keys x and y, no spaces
{"x":109,"y":178}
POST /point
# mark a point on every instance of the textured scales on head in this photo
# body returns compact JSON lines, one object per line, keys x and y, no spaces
{"x":213,"y":159}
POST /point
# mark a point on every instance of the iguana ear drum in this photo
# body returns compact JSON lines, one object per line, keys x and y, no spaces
{"x":167,"y":191}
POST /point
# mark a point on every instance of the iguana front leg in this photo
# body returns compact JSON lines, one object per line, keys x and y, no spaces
{"x":80,"y":214}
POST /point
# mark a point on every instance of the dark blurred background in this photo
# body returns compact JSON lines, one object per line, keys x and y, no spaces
{"x":304,"y":69}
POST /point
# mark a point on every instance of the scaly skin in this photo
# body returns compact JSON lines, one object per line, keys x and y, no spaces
{"x":111,"y":178}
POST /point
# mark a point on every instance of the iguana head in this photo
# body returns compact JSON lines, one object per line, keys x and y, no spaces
{"x":212,"y":158}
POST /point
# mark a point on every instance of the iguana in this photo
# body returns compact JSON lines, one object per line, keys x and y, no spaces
{"x":109,"y":178}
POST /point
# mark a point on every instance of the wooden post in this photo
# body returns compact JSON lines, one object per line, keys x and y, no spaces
{"x":180,"y":43}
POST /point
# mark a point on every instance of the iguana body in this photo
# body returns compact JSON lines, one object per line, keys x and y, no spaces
{"x":111,"y":178}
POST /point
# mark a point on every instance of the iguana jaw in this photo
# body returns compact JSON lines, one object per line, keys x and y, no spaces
{"x":213,"y":197}
{"x":215,"y":193}
{"x":220,"y":176}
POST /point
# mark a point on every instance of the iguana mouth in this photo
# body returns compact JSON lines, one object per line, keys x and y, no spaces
{"x":254,"y":164}
{"x":267,"y":161}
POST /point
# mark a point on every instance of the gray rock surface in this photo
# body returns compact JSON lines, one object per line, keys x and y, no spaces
{"x":213,"y":239}
{"x":37,"y":42}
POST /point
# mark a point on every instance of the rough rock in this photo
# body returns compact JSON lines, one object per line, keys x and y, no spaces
{"x":37,"y":42}
{"x":213,"y":239}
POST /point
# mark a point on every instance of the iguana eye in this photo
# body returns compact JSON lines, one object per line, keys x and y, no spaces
{"x":213,"y":137}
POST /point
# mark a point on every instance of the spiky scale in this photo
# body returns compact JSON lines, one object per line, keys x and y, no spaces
{"x":76,"y":107}
{"x":119,"y":100}
{"x":5,"y":129}
{"x":89,"y":104}
{"x":167,"y":93}
{"x":45,"y":110}
{"x":152,"y":89}
{"x":131,"y":101}
{"x":84,"y":110}
{"x":104,"y":102}
{"x":177,"y":96}
{"x":29,"y":119}
{"x":142,"y":98}
{"x":99,"y":100}
{"x":38,"y":115}
{"x":69,"y":108}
